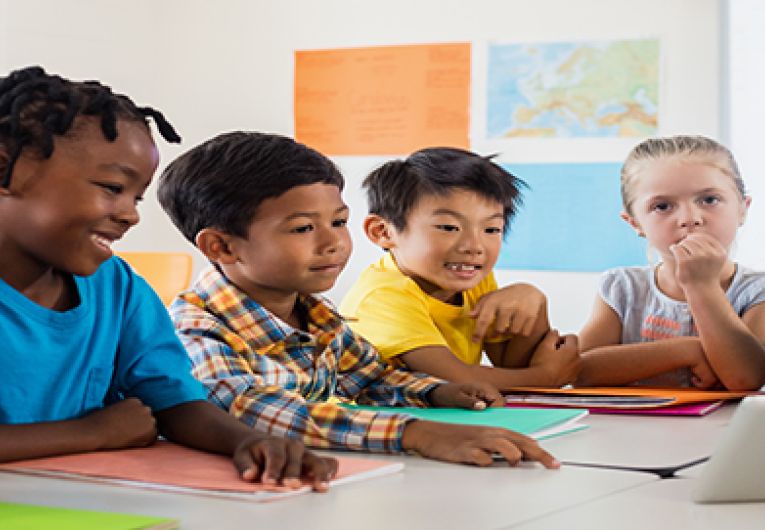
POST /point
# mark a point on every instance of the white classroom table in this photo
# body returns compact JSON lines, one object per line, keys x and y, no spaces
{"x":658,"y":504}
{"x":430,"y":494}
{"x":652,"y":441}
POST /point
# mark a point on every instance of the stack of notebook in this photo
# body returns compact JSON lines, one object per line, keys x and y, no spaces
{"x":625,"y":400}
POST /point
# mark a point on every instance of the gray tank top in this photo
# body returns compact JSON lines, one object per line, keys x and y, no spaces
{"x":648,"y":315}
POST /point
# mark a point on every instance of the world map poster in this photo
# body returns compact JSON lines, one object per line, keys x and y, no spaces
{"x":573,"y":89}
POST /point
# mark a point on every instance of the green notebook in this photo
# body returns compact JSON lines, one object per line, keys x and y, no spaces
{"x":537,"y":423}
{"x":30,"y":517}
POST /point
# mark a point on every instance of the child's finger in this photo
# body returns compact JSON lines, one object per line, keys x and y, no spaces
{"x":246,"y":465}
{"x":320,"y":469}
{"x":294,"y":464}
{"x":568,"y":342}
{"x":465,"y":400}
{"x":532,"y":451}
{"x":503,"y":321}
{"x":482,"y":322}
{"x":491,"y":397}
{"x":506,"y":449}
{"x":274,"y":457}
{"x":478,"y":307}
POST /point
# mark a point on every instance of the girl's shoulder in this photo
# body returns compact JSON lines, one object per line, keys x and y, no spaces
{"x":747,"y":282}
{"x":633,"y":278}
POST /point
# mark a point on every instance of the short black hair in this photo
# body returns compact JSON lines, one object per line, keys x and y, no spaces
{"x":221,"y":182}
{"x":394,"y":188}
{"x":35,"y":106}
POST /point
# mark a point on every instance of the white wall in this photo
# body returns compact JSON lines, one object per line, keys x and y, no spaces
{"x":745,"y":99}
{"x":217,"y":66}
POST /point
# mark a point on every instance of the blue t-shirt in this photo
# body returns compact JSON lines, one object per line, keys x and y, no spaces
{"x":117,"y":342}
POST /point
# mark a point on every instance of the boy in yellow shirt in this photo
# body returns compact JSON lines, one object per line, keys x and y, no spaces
{"x":432,"y":303}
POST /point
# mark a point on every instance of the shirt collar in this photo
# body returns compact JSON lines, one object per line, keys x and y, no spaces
{"x":243,"y":315}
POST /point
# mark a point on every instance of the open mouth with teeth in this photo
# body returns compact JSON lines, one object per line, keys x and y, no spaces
{"x":463,"y":267}
{"x":103,"y":242}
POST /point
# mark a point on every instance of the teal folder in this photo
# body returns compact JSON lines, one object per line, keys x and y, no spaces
{"x":538,"y":423}
{"x":29,"y":517}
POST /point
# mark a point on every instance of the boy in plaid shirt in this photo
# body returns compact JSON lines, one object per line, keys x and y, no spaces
{"x":268,"y":214}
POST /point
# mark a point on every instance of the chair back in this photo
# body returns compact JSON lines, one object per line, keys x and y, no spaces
{"x":168,"y":273}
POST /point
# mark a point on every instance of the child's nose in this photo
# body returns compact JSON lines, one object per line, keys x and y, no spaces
{"x":690,"y":216}
{"x":333,"y":240}
{"x":128,"y":213}
{"x":470,"y":243}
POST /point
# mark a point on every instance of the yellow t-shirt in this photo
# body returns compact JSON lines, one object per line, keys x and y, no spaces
{"x":396,"y":316}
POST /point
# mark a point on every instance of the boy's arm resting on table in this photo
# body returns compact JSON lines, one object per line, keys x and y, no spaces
{"x":128,"y":423}
{"x":257,"y":456}
{"x":605,"y":361}
{"x":235,"y":387}
{"x":554,"y":362}
{"x":734,"y":346}
{"x":367,"y":380}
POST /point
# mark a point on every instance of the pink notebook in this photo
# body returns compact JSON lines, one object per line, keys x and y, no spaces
{"x":170,"y":467}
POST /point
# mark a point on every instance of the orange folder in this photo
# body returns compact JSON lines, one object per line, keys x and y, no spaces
{"x":631,"y":397}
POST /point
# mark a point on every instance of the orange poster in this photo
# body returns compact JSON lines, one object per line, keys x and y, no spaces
{"x":388,"y":100}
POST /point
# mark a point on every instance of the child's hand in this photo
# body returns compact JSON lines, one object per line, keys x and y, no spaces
{"x":469,"y":444}
{"x":557,"y":358}
{"x":703,"y":376}
{"x":127,"y":423}
{"x":513,"y":309}
{"x":476,"y":396}
{"x":278,"y":460}
{"x":699,"y":258}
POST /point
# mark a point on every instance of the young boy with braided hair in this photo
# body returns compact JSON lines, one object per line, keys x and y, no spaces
{"x":268,"y":213}
{"x":89,"y":358}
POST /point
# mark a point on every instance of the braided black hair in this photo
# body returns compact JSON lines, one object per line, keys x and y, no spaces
{"x":35,"y":106}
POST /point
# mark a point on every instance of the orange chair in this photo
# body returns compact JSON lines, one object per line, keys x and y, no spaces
{"x":168,"y":273}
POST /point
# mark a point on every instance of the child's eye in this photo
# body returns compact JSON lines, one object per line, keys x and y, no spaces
{"x":302,"y":229}
{"x":662,"y":207}
{"x":115,"y":189}
{"x":447,"y":228}
{"x":493,"y":230}
{"x":339,"y":223}
{"x":710,"y":200}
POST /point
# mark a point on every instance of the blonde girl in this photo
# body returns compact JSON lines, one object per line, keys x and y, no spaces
{"x":696,"y":318}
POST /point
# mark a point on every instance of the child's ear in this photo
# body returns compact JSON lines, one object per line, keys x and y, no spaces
{"x":744,"y":210}
{"x":379,"y":231}
{"x":633,"y":223}
{"x":216,"y":246}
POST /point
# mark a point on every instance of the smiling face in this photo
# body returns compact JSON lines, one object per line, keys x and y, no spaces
{"x":65,"y":212}
{"x":450,"y":242}
{"x":298,"y":242}
{"x":676,"y":196}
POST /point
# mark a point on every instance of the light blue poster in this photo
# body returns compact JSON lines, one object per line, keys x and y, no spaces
{"x":569,"y":220}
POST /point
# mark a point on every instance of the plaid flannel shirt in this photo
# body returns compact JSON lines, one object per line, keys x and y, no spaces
{"x":279,"y":379}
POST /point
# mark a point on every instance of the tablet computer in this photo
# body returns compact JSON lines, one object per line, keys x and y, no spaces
{"x":736,"y":470}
